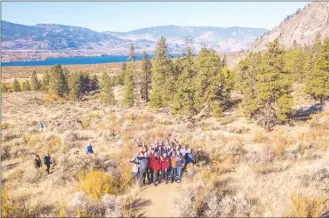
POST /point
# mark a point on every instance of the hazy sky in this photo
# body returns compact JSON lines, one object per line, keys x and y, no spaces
{"x":115,"y":16}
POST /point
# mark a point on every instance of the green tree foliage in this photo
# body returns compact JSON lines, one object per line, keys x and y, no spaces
{"x":184,"y":96}
{"x":145,"y":78}
{"x":16,"y":87}
{"x":107,"y":95}
{"x":224,"y":61}
{"x":209,"y":83}
{"x":58,"y":80}
{"x":45,"y":82}
{"x":266,"y":86}
{"x":317,"y":84}
{"x":297,"y":62}
{"x":162,"y":82}
{"x":75,"y":86}
{"x":94,"y":83}
{"x":119,"y":79}
{"x":4,"y":87}
{"x":35,"y":83}
{"x":25,"y":86}
{"x":129,"y":84}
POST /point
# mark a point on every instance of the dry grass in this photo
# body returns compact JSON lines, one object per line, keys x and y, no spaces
{"x":307,"y":206}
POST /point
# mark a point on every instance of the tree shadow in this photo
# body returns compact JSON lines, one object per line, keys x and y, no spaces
{"x":304,"y":113}
{"x":138,"y":205}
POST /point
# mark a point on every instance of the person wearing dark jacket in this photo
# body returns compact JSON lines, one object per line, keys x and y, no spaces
{"x":47,"y":162}
{"x":180,"y":162}
{"x":156,"y":165}
{"x":190,"y":156}
{"x":164,"y":167}
{"x":143,"y":166}
{"x":37,"y":162}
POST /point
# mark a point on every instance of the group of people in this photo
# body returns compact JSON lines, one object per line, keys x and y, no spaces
{"x":46,"y":161}
{"x":162,"y":162}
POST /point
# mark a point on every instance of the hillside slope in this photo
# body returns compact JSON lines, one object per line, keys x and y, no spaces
{"x":301,"y":27}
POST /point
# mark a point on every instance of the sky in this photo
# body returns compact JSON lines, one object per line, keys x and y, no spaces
{"x":127,"y":16}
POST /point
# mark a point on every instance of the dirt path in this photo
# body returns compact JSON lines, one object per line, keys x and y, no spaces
{"x":158,"y":201}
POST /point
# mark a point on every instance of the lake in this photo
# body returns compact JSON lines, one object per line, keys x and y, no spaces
{"x":74,"y":60}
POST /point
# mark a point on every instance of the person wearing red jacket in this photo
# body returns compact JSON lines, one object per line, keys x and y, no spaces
{"x":164,"y":167}
{"x":150,"y":170}
{"x":156,"y":167}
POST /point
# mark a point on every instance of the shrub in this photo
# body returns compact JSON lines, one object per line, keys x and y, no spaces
{"x":85,"y":123}
{"x":306,"y":206}
{"x":259,"y":137}
{"x":97,"y":183}
{"x":32,"y":175}
{"x":4,"y":125}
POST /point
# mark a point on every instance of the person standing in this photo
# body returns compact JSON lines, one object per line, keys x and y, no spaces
{"x":143,"y":166}
{"x":156,"y":167}
{"x":135,"y":166}
{"x":47,"y":162}
{"x":89,"y":149}
{"x":37,"y":162}
{"x":150,"y":171}
{"x":164,"y":167}
{"x":179,"y":165}
{"x":173,"y":162}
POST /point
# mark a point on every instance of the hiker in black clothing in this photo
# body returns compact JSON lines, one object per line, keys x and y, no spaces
{"x":37,"y":162}
{"x":143,"y":166}
{"x":47,"y":162}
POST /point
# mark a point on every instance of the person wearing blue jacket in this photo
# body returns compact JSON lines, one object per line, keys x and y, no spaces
{"x":89,"y":149}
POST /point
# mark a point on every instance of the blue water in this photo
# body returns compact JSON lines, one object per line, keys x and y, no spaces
{"x":72,"y":60}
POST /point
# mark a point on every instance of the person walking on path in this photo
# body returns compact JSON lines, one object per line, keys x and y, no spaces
{"x":47,"y":162}
{"x":37,"y":162}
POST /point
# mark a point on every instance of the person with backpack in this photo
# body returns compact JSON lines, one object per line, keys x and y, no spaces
{"x":37,"y":162}
{"x":89,"y":149}
{"x":156,"y":165}
{"x":173,"y":164}
{"x":47,"y":162}
{"x":143,"y":166}
{"x":190,"y":156}
{"x":164,"y":167}
{"x":42,"y":126}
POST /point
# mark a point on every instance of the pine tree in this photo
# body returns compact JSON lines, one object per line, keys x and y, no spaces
{"x":317,"y":85}
{"x":145,"y":77}
{"x":22,"y":86}
{"x":106,"y":89}
{"x":94,"y":83}
{"x":161,"y":76}
{"x":224,"y":61}
{"x":185,"y":94}
{"x":4,"y":87}
{"x":28,"y":86}
{"x":45,"y":82}
{"x":35,"y":83}
{"x":118,"y":80}
{"x":16,"y":86}
{"x":129,"y":84}
{"x":316,"y":48}
{"x":266,"y":87}
{"x":75,"y":84}
{"x":209,"y":82}
{"x":58,"y":80}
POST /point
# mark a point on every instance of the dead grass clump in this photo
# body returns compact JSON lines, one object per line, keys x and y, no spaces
{"x":307,"y":206}
{"x":53,"y":144}
{"x":85,"y":123}
{"x":32,"y":175}
{"x":4,"y":125}
{"x":226,"y":120}
{"x":317,"y":135}
{"x":139,"y":118}
{"x":95,"y":116}
{"x":260,"y":137}
{"x":54,"y":98}
{"x":158,"y":134}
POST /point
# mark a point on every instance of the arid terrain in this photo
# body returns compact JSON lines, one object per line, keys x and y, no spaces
{"x":258,"y":173}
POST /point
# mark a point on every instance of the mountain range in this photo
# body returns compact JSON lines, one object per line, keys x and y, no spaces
{"x":62,"y":37}
{"x":301,"y":27}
